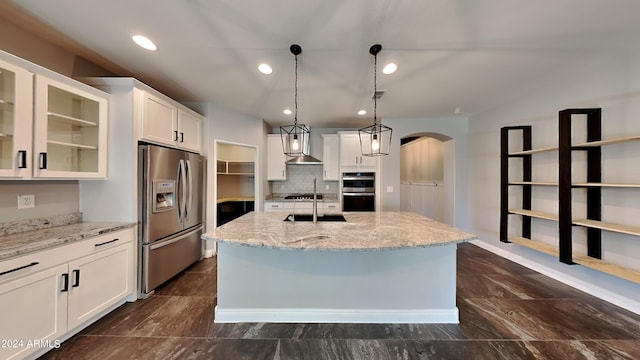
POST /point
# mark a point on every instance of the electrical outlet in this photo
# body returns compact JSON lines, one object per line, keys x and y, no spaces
{"x":26,"y":201}
{"x":326,"y":187}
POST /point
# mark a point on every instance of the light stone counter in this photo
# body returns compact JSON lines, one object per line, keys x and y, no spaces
{"x":361,"y":231}
{"x":382,"y":267}
{"x":43,"y":238}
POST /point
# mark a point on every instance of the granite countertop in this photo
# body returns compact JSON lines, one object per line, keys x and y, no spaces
{"x":361,"y":231}
{"x":22,"y":243}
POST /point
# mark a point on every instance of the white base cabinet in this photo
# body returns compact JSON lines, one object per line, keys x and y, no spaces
{"x":48,"y":296}
{"x":33,"y":309}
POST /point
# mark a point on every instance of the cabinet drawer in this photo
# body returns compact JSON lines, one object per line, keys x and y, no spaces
{"x":31,"y":263}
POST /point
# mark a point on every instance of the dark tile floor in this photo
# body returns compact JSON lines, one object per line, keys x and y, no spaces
{"x":506,"y":312}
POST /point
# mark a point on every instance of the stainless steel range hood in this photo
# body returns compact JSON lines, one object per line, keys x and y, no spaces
{"x":304,"y":160}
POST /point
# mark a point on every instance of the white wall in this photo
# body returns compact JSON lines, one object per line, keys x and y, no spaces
{"x":612,"y":82}
{"x":230,"y":126}
{"x":453,"y":127}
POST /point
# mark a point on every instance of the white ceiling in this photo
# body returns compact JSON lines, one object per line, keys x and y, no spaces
{"x":469,"y":54}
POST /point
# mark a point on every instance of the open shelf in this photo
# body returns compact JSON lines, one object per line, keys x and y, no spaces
{"x":602,"y":225}
{"x":72,"y":145}
{"x":533,"y":151}
{"x":609,"y":185}
{"x":596,"y":264}
{"x":606,"y":142}
{"x":235,"y":167}
{"x":607,"y":267}
{"x":71,"y":120}
{"x":534,"y":214}
{"x":536,"y":183}
{"x":536,"y":245}
{"x":592,"y":187}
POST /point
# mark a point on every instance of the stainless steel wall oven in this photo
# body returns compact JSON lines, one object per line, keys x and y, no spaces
{"x":359,"y":191}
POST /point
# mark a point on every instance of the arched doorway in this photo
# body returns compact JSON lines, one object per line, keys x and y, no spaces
{"x":427,"y":175}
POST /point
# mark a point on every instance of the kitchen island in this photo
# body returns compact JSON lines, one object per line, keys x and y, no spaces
{"x":375,"y":267}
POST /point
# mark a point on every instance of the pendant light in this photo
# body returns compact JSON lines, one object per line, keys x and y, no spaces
{"x":295,"y":138}
{"x":375,"y":140}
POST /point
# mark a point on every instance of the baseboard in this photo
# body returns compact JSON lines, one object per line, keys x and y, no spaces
{"x":371,"y":316}
{"x":597,"y":291}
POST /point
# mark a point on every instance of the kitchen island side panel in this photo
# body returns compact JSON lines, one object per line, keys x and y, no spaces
{"x":411,"y":285}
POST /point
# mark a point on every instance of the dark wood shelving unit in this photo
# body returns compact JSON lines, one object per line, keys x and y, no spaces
{"x":594,"y":175}
{"x":566,"y":221}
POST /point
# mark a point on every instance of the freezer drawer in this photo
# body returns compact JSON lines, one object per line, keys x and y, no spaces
{"x":162,"y":260}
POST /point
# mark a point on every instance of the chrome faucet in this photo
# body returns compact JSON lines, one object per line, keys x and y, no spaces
{"x":315,"y":202}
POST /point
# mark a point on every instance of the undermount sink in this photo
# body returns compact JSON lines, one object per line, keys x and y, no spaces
{"x":309,"y":217}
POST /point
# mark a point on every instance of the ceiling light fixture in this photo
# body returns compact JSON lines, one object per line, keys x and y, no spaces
{"x":144,"y":42}
{"x":287,"y":112}
{"x":390,"y":68}
{"x":362,"y":112}
{"x":295,"y":138}
{"x":375,"y":139}
{"x":265,"y":69}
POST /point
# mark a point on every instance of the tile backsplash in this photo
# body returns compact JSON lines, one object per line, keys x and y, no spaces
{"x":300,"y":180}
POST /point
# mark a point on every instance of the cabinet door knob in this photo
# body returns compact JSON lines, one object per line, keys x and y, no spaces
{"x":175,"y":133}
{"x":181,"y":137}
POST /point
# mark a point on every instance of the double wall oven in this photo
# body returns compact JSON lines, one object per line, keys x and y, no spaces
{"x":359,"y":191}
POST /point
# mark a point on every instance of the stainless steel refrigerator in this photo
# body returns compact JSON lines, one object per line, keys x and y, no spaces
{"x":172,"y":197}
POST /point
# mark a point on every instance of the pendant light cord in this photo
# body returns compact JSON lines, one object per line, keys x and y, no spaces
{"x":295,"y":118}
{"x":375,"y":89}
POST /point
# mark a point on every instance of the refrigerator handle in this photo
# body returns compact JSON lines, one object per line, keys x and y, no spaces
{"x":182,"y":190}
{"x":189,"y":189}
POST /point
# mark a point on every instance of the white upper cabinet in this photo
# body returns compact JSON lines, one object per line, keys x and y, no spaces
{"x":351,"y":154}
{"x":189,"y":131}
{"x":16,"y":113}
{"x":330,"y":157}
{"x":164,"y":123}
{"x":70,"y":130}
{"x":276,"y":159}
{"x":159,"y":120}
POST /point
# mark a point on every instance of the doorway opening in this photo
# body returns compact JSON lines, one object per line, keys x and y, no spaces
{"x":427,"y":175}
{"x":235,"y":185}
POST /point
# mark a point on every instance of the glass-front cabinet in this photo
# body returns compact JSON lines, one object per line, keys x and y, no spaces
{"x":70,"y":131}
{"x":16,"y":104}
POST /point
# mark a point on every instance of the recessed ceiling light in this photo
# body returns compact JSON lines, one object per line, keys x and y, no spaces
{"x":144,"y":42}
{"x":390,"y":68}
{"x":265,"y":69}
{"x":287,"y":112}
{"x":362,"y":112}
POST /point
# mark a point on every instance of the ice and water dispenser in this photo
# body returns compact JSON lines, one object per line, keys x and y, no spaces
{"x":163,"y":195}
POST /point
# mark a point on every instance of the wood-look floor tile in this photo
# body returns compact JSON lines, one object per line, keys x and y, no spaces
{"x":602,"y":349}
{"x":486,"y":265}
{"x":399,"y":349}
{"x":552,"y":319}
{"x":143,"y":348}
{"x":469,"y":250}
{"x":206,"y":265}
{"x":521,"y":286}
{"x":190,"y":284}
